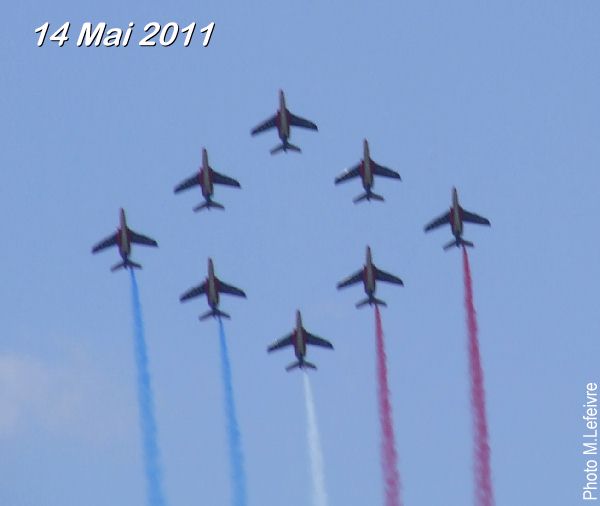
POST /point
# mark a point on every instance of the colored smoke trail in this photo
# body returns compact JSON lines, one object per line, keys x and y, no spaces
{"x":314,"y":446}
{"x":389,"y":459}
{"x":146,"y":404}
{"x":483,"y":474}
{"x":238,"y":476}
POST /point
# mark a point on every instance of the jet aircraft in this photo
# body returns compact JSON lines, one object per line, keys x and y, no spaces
{"x":283,"y":119}
{"x":366,"y":170}
{"x":212,"y":286}
{"x":456,"y":217}
{"x":369,"y":275}
{"x":299,"y":338}
{"x":123,"y":238}
{"x":206,"y":178}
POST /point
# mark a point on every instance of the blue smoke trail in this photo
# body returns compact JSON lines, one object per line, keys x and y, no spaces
{"x":238,"y":476}
{"x":146,"y":404}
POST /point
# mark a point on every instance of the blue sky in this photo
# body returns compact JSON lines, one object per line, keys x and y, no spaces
{"x":499,"y":99}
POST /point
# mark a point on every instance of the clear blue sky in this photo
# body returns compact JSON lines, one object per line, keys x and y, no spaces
{"x":498,"y":98}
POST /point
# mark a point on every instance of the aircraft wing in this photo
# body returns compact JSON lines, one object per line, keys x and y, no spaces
{"x":232,"y":290}
{"x":188,"y":183}
{"x":226,"y":180}
{"x":474,"y":218}
{"x":141,"y":239}
{"x":270,"y":123}
{"x":438,"y":222}
{"x":350,"y":280}
{"x":380,"y":170}
{"x":318,"y":341}
{"x":387,"y":277}
{"x":348,"y":174}
{"x":301,"y":122}
{"x":194,"y":292}
{"x":282,"y":343}
{"x":106,"y":243}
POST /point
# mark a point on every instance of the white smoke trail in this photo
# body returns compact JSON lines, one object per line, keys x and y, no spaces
{"x":314,"y":446}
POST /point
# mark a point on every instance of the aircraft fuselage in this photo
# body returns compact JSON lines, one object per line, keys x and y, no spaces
{"x":369,"y":275}
{"x":455,"y":216}
{"x":123,"y":237}
{"x":282,"y":121}
{"x":212,"y":291}
{"x":366,"y":171}
{"x":205,"y":177}
{"x":299,"y":338}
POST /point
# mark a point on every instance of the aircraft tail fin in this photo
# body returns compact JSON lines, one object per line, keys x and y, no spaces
{"x":370,"y":301}
{"x":458,"y":243}
{"x":450,"y":244}
{"x":285,"y":147}
{"x":207,"y":204}
{"x":300,"y":365}
{"x":368,"y":196}
{"x":215,"y":313}
{"x":124,"y":265}
{"x":293,"y":147}
{"x":292,"y":366}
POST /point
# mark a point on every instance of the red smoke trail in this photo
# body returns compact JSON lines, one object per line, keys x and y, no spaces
{"x":389,"y":459}
{"x":484,"y":495}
